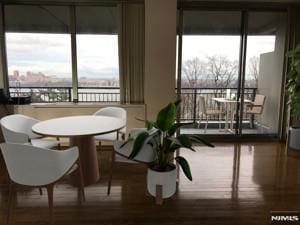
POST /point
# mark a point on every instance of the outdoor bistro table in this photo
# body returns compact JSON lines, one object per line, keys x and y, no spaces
{"x":81,"y":131}
{"x":230,"y":110}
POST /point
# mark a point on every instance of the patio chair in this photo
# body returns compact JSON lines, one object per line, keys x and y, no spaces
{"x":255,"y":108}
{"x":17,"y":129}
{"x":116,"y":112}
{"x":38,"y":167}
{"x":203,"y":111}
{"x":121,"y":153}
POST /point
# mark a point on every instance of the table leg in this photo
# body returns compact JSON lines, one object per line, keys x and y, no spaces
{"x":231,"y":116}
{"x":88,"y":158}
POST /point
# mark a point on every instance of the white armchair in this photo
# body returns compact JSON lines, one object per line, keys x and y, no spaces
{"x":116,"y":112}
{"x":17,"y":129}
{"x":36,"y":167}
{"x":122,"y":152}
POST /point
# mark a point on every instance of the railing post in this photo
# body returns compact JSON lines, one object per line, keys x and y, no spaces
{"x":69,"y":94}
{"x":195,"y":104}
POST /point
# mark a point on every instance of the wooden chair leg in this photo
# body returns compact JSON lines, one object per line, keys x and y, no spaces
{"x":41,"y":191}
{"x":99,"y":156}
{"x":81,"y":188}
{"x":59,"y":145}
{"x":206,"y":125}
{"x":111,"y":171}
{"x":10,"y":201}
{"x":50,"y":203}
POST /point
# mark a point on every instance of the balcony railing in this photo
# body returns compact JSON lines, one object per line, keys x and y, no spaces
{"x":65,"y":94}
{"x":189,"y":96}
{"x":190,"y":100}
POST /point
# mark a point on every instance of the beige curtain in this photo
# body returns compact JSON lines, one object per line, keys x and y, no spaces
{"x":131,"y":52}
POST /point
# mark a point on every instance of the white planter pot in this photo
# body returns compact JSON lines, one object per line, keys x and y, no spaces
{"x":294,"y":140}
{"x":166,"y":179}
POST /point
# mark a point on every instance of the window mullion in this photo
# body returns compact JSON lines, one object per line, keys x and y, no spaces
{"x":74,"y":53}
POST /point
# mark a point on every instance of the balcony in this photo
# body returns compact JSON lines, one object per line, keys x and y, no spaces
{"x":189,"y":109}
{"x":190,"y":112}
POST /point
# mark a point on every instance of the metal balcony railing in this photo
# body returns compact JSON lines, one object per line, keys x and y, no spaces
{"x":189,"y":96}
{"x":190,"y":100}
{"x":65,"y":94}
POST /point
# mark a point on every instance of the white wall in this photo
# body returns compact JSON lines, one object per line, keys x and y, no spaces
{"x":160,"y":54}
{"x":270,"y":80}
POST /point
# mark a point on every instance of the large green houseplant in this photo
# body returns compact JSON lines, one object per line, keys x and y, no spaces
{"x":162,"y":133}
{"x":293,"y":91}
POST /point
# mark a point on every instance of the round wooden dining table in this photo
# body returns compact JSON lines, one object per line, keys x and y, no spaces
{"x":81,"y":131}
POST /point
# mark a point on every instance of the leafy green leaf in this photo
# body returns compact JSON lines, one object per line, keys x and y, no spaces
{"x":176,"y":126}
{"x":185,"y":167}
{"x":166,"y":117}
{"x":138,"y":143}
{"x":184,"y":140}
{"x":198,"y":139}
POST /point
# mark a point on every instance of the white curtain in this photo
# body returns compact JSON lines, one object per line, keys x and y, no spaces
{"x":131,"y":52}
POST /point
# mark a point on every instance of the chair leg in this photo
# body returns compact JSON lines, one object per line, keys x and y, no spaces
{"x":50,"y":203}
{"x":41,"y":191}
{"x":59,"y":145}
{"x":81,"y":188}
{"x":99,"y":155}
{"x":251,"y":121}
{"x":199,"y":122}
{"x":111,"y":171}
{"x":206,"y":125}
{"x":10,"y":201}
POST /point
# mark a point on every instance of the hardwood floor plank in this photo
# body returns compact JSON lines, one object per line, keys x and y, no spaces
{"x":232,"y":184}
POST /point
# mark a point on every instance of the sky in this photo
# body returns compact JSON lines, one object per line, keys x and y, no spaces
{"x":51,"y":54}
{"x":97,"y":55}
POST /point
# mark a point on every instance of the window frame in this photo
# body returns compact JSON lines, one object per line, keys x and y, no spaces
{"x":72,"y":32}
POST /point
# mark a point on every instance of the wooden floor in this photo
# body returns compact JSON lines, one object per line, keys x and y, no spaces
{"x":233,"y":184}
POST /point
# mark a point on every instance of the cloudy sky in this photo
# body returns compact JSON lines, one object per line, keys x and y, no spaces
{"x":98,"y":54}
{"x":50,"y":54}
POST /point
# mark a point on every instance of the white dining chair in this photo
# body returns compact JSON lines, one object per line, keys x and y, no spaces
{"x":121,"y":153}
{"x":116,"y":112}
{"x":36,"y":167}
{"x":17,"y":129}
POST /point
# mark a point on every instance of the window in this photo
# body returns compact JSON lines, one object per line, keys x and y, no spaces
{"x":39,"y":52}
{"x":97,"y":54}
{"x":38,"y":47}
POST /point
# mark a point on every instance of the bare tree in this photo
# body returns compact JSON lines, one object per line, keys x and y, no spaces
{"x":221,"y":71}
{"x":253,"y":69}
{"x":193,"y":71}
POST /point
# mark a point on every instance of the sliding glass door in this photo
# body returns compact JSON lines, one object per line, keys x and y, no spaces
{"x":210,"y":59}
{"x":231,"y":71}
{"x":263,"y":72}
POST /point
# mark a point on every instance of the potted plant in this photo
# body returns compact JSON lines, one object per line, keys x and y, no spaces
{"x":293,"y":91}
{"x":162,"y":173}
